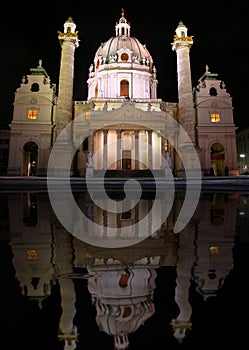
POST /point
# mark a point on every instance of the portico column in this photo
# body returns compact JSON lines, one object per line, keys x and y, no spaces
{"x":119,"y":149}
{"x":162,"y":148}
{"x":91,"y":143}
{"x":105,"y":149}
{"x":150,"y":148}
{"x":136,"y":150}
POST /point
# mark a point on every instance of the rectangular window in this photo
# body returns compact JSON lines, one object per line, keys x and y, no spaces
{"x":32,"y":114}
{"x":215,"y":117}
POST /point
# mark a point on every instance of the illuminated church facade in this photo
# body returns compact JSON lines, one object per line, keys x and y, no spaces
{"x":123,"y":127}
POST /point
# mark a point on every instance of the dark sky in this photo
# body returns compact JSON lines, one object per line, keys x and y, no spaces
{"x":220,"y":33}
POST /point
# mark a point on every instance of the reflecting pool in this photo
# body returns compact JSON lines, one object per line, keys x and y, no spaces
{"x":184,"y":290}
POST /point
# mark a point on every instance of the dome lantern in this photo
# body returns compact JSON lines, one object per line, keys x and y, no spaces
{"x":122,"y":27}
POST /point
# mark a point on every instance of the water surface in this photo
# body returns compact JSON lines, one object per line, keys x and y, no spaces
{"x":186,"y":290}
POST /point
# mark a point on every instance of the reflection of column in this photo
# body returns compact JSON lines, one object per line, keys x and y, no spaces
{"x":136,"y":149}
{"x":150,"y":148}
{"x":119,"y":149}
{"x":68,"y":332}
{"x":64,"y":265}
{"x":105,"y":149}
{"x":186,"y":259}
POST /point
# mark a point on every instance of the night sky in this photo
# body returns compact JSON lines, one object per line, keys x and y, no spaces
{"x":220,"y":35}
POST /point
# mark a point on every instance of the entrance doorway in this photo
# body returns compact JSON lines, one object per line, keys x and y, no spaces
{"x":30,"y":153}
{"x":126,"y":159}
{"x":218,"y":159}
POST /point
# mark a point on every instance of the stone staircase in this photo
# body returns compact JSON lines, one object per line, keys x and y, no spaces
{"x":128,"y":173}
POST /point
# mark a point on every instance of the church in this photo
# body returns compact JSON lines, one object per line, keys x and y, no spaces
{"x":123,"y":129}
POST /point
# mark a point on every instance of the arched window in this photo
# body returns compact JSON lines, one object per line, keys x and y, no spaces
{"x":213,"y":92}
{"x":96,"y":90}
{"x":124,"y":88}
{"x":35,"y":87}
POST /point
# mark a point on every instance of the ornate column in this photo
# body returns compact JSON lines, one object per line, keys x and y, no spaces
{"x":187,"y":139}
{"x":63,"y":136}
{"x":182,"y":44}
{"x":69,"y":41}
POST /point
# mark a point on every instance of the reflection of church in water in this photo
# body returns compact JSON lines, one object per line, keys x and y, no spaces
{"x":123,"y":123}
{"x":121,"y":282}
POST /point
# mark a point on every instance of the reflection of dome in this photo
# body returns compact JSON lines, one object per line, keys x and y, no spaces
{"x":123,"y":301}
{"x":126,"y":63}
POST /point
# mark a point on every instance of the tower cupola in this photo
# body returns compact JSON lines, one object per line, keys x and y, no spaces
{"x":181,"y":30}
{"x":69,"y":26}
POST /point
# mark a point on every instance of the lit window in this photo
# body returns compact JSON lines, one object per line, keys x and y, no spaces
{"x":215,"y":117}
{"x":32,"y":254}
{"x":214,"y":250}
{"x":32,"y":114}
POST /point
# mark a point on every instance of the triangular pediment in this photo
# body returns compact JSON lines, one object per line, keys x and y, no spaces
{"x":127,"y":114}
